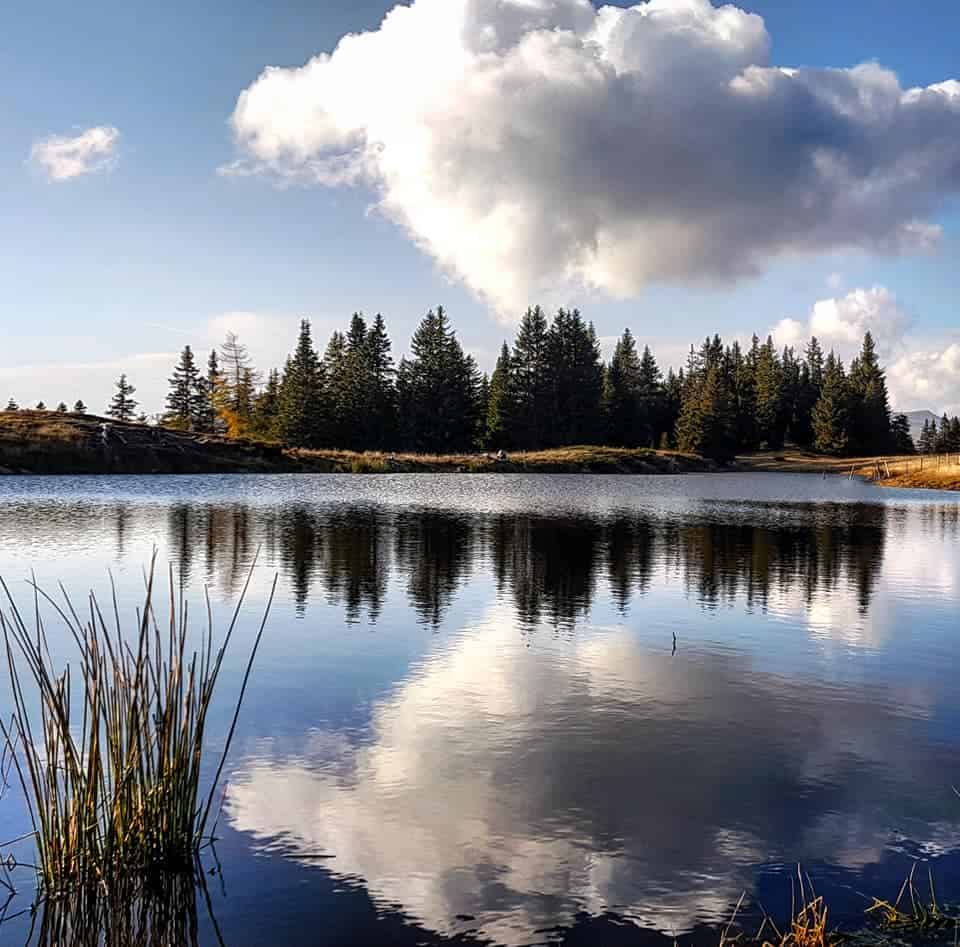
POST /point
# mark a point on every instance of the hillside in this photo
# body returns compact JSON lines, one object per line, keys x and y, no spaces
{"x":917,"y":420}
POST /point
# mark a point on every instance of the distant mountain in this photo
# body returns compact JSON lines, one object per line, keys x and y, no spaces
{"x":917,"y":420}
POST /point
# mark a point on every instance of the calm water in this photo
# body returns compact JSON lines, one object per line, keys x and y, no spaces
{"x":538,"y":709}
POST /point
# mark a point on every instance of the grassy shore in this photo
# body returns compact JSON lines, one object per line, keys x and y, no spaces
{"x":44,"y":442}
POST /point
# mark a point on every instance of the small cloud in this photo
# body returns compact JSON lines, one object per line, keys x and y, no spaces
{"x":64,"y":157}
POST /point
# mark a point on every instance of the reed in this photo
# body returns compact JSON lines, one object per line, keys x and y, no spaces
{"x":109,"y":751}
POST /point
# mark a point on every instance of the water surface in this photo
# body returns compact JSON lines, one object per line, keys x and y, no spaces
{"x":529,"y":709}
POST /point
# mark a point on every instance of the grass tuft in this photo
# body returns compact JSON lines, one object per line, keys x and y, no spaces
{"x":109,"y":751}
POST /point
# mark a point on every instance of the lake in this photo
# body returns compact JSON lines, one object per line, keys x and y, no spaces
{"x":536,"y":709}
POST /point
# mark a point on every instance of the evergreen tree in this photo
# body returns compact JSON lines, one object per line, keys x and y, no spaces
{"x":79,"y":407}
{"x":869,"y":406}
{"x":123,"y":404}
{"x":12,"y":405}
{"x":790,"y":380}
{"x":625,"y":424}
{"x":742,"y":373}
{"x":942,"y":436}
{"x":573,"y":352}
{"x":336,"y":375}
{"x":954,"y":442}
{"x":707,"y":424}
{"x":40,"y":406}
{"x":532,"y":383}
{"x":769,"y":389}
{"x":672,"y":402}
{"x":928,"y":437}
{"x":831,"y":412}
{"x":900,"y":436}
{"x":300,"y":411}
{"x":382,"y":425}
{"x":182,"y":402}
{"x":500,"y":409}
{"x":208,"y":394}
{"x":438,"y":390}
{"x":62,"y":408}
{"x":266,"y":408}
{"x":651,"y":395}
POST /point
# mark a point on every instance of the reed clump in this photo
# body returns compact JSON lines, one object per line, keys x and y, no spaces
{"x":109,"y":749}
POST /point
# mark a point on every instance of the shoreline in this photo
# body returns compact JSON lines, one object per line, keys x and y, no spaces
{"x":36,"y":443}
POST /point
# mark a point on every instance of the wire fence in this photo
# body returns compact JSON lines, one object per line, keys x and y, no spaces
{"x":886,"y":468}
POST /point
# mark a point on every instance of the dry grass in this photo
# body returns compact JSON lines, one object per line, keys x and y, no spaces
{"x":559,"y":460}
{"x":109,"y":752}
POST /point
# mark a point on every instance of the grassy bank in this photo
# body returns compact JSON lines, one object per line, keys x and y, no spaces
{"x":42,"y":442}
{"x":604,"y":460}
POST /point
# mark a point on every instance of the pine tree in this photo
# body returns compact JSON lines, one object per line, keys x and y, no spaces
{"x":266,"y":408}
{"x":123,"y":404}
{"x":942,"y":436}
{"x":532,"y":383}
{"x":769,"y":388}
{"x":651,"y":394}
{"x":831,"y":412}
{"x":12,"y":405}
{"x":625,"y":424}
{"x":79,"y":407}
{"x":900,"y":436}
{"x":62,"y":408}
{"x":928,"y":437}
{"x":182,"y":402}
{"x":789,"y":394}
{"x":338,"y":392}
{"x":437,"y":390}
{"x":301,"y":411}
{"x":954,"y":442}
{"x":573,"y":353}
{"x":382,"y":426}
{"x":869,"y":405}
{"x":742,"y":371}
{"x":208,"y":393}
{"x":707,"y":424}
{"x":40,"y":406}
{"x":672,"y":402}
{"x":500,"y":407}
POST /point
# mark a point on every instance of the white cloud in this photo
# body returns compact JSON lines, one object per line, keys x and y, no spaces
{"x":63,"y":157}
{"x":927,"y":380}
{"x":526,"y":145}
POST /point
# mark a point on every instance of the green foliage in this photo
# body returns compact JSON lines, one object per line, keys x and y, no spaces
{"x":500,"y":408}
{"x":300,"y":418}
{"x":902,"y":441}
{"x":831,"y":414}
{"x":531,"y":380}
{"x":79,"y":407}
{"x":437,"y":389}
{"x":62,"y":408}
{"x":573,"y":357}
{"x":188,"y":403}
{"x":12,"y":405}
{"x":123,"y":405}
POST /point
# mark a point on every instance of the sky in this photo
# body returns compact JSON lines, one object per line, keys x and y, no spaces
{"x":169,"y":172}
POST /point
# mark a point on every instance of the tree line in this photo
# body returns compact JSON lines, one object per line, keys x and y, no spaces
{"x":550,"y":388}
{"x":941,"y":437}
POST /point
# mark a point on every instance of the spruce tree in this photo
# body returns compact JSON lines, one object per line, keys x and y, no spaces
{"x":954,"y":442}
{"x":769,"y":393}
{"x":340,"y":423}
{"x":266,"y":408}
{"x":500,"y":407}
{"x":532,"y":383}
{"x":672,"y":402}
{"x":902,"y":441}
{"x":382,"y":425}
{"x":743,"y":382}
{"x":651,"y":395}
{"x":79,"y":407}
{"x":625,"y":424}
{"x":238,"y":377}
{"x":943,"y":435}
{"x":869,"y":405}
{"x":12,"y":405}
{"x":300,"y":416}
{"x":573,"y":353}
{"x":62,"y":408}
{"x":707,"y":424}
{"x":123,"y":405}
{"x":831,"y":412}
{"x":928,"y":437}
{"x":40,"y":406}
{"x":182,"y":397}
{"x":437,"y":389}
{"x":208,"y":394}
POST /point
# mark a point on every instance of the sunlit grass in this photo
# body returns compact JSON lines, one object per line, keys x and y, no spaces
{"x":109,"y":749}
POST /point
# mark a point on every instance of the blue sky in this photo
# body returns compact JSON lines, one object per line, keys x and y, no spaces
{"x":118,"y":268}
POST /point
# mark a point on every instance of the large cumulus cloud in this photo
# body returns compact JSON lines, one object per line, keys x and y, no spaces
{"x":527,"y":144}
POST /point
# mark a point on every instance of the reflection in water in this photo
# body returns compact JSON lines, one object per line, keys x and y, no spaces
{"x":637,"y":702}
{"x":521,"y":789}
{"x":549,"y":565}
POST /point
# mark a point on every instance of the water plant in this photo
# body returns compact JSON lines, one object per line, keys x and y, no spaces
{"x":109,"y":751}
